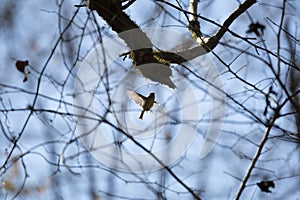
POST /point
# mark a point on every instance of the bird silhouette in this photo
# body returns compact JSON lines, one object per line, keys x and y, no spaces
{"x":145,"y":102}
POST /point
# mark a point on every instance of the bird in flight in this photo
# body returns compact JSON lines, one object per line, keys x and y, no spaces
{"x":145,"y":102}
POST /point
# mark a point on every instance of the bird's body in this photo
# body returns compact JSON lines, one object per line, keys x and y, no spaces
{"x":145,"y":102}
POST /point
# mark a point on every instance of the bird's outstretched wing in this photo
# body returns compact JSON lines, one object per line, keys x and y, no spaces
{"x":136,"y":97}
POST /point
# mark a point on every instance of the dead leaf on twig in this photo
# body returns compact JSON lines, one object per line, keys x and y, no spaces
{"x":264,"y":186}
{"x":21,"y":65}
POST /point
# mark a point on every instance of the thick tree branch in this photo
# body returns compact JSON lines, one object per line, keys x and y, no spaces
{"x":111,"y":11}
{"x":120,"y":22}
{"x":208,"y":44}
{"x":240,"y":10}
{"x":194,"y":25}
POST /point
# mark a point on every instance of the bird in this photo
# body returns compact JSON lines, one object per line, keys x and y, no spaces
{"x":145,"y":102}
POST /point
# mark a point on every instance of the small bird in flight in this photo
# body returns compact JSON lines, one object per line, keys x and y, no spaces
{"x":145,"y":102}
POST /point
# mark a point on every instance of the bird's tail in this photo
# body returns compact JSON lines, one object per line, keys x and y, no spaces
{"x":141,"y":115}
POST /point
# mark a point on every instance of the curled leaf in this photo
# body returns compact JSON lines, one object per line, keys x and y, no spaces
{"x":21,"y":65}
{"x":264,"y":186}
{"x":256,"y":28}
